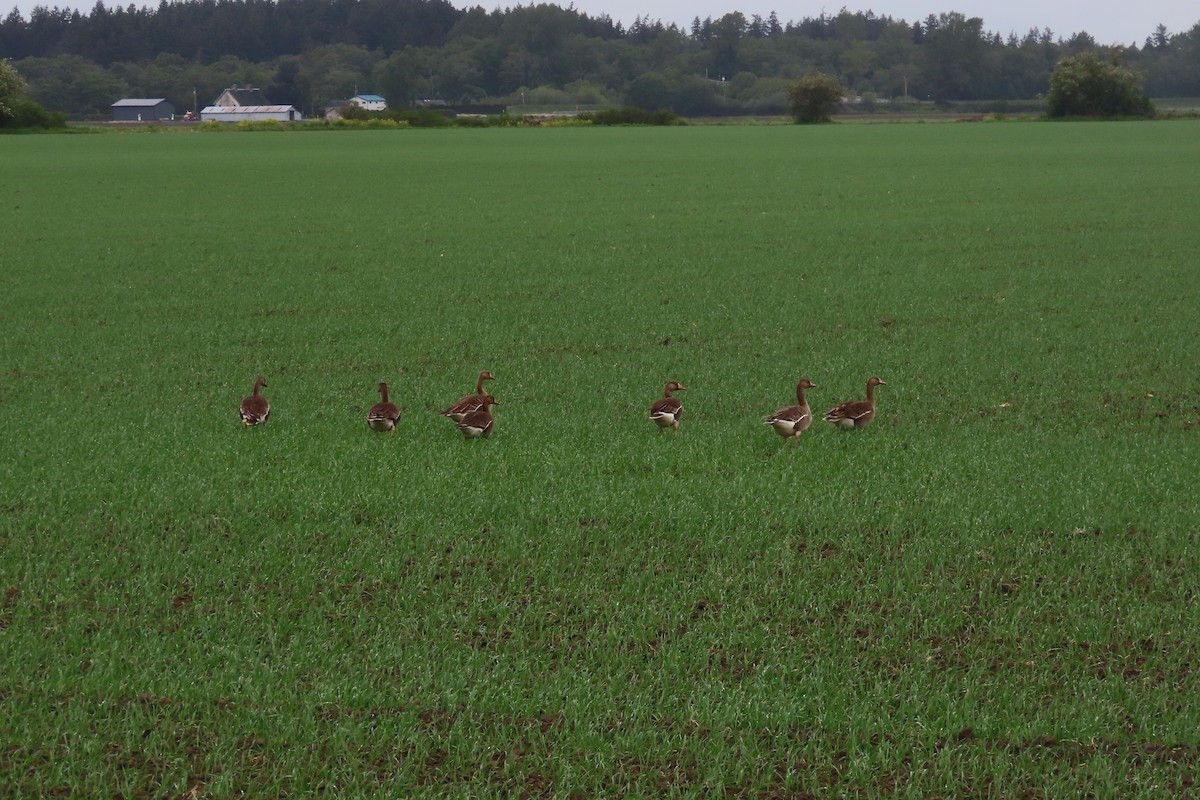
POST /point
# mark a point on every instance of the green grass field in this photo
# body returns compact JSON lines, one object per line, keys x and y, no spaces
{"x":990,"y":592}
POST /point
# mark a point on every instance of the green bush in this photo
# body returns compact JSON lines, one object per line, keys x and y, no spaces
{"x":27,"y":114}
{"x":815,"y":97}
{"x":1085,"y":86}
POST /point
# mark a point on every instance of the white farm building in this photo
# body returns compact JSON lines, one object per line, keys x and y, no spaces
{"x":369,"y":102}
{"x":249,"y":113}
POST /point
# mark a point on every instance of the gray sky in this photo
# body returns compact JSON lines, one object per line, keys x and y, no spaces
{"x":1108,"y":21}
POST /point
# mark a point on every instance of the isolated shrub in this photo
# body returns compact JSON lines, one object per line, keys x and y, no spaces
{"x":1085,"y":86}
{"x":815,"y":97}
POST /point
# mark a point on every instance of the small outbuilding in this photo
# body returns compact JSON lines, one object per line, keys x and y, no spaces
{"x":249,"y":113}
{"x":142,"y":109}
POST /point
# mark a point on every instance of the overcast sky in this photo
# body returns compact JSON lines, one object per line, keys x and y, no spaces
{"x":1108,"y":21}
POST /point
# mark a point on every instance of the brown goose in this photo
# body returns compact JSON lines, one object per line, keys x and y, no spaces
{"x":791,"y":421}
{"x":856,"y":413}
{"x":255,"y":408}
{"x":471,"y":402}
{"x":384,"y":415}
{"x":478,"y":424}
{"x":667,"y":411}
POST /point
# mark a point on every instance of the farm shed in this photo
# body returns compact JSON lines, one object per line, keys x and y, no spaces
{"x":249,"y":113}
{"x":142,"y":109}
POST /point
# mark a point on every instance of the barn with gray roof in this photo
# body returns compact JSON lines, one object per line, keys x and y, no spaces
{"x":142,"y":109}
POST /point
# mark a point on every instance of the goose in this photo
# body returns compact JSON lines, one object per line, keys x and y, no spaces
{"x":255,"y":408}
{"x":478,"y":424}
{"x":471,"y":402}
{"x":856,"y":413}
{"x":667,"y":411}
{"x":791,"y":421}
{"x":384,"y":414}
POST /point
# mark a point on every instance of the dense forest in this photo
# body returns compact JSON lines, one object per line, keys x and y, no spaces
{"x":311,"y":53}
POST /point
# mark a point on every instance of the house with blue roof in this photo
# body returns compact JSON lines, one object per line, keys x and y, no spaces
{"x":369,"y":102}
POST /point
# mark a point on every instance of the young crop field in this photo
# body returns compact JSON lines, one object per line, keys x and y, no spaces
{"x":992,"y":591}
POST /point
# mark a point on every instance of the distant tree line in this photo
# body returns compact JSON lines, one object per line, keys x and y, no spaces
{"x":313,"y":52}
